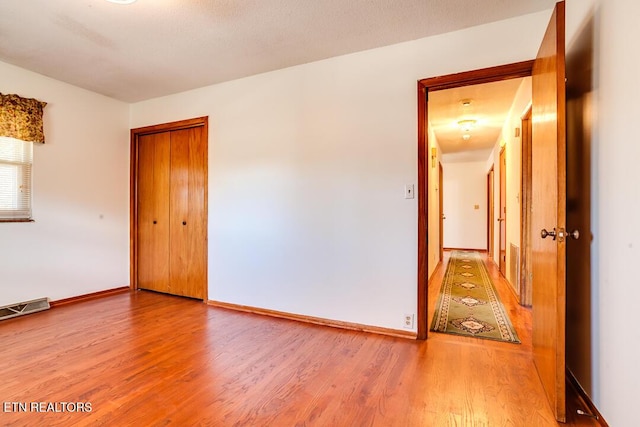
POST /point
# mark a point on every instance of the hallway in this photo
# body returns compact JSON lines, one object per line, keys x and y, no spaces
{"x":500,"y":360}
{"x":520,"y":316}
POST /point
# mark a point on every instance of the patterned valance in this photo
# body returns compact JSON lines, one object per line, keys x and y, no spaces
{"x":21,"y":118}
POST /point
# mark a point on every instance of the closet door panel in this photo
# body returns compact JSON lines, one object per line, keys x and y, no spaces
{"x":187,"y":211}
{"x":198,"y":246}
{"x":153,"y":211}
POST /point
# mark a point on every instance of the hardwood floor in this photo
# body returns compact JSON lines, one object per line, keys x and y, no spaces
{"x":143,"y":358}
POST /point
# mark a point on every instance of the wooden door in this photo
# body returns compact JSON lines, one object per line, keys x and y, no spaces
{"x":502,"y":219}
{"x":441,"y":202}
{"x":187,"y":261}
{"x":525,"y":212}
{"x":153,"y":211}
{"x":490,"y":213}
{"x":169,"y":202}
{"x":548,"y":212}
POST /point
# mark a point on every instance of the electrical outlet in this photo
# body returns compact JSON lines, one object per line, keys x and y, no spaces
{"x":408,"y":321}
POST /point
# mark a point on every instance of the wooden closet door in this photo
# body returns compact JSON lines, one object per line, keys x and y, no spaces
{"x":188,"y":233}
{"x":153,"y":211}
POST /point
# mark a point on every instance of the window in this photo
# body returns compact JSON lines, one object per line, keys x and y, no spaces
{"x":20,"y":126}
{"x":16,"y":158}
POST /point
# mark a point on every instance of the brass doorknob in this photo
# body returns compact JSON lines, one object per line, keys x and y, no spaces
{"x":544,"y":233}
{"x":575,"y":234}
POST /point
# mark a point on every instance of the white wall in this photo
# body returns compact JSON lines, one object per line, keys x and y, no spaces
{"x":465,"y":187}
{"x":79,"y":242}
{"x":513,"y":150}
{"x":615,"y":203}
{"x":433,"y":214}
{"x":307,"y":169}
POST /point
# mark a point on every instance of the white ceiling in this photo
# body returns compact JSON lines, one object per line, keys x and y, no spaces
{"x":490,"y":105}
{"x":153,"y":48}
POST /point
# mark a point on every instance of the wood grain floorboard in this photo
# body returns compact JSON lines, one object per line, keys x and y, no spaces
{"x":148,"y":359}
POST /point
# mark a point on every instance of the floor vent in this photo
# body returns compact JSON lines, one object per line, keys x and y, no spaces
{"x":21,"y":308}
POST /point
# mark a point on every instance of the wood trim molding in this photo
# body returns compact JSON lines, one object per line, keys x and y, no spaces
{"x":133,"y":210}
{"x":180,"y":124}
{"x":585,"y":400}
{"x":423,"y":203}
{"x":424,"y":86}
{"x":88,"y":297}
{"x":315,"y":320}
{"x":483,"y":75}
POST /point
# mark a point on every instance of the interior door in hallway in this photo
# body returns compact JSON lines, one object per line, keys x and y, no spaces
{"x":441,"y":204}
{"x":525,"y":211}
{"x":502,"y":217}
{"x":490,"y":213}
{"x":548,"y":212}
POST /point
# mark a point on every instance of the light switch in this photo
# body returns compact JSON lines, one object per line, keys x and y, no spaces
{"x":408,"y":191}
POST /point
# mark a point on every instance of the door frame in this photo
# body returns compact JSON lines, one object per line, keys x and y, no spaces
{"x":133,"y":183}
{"x":424,"y":86}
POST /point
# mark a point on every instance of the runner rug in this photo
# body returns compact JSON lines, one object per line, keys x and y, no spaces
{"x":469,"y":304}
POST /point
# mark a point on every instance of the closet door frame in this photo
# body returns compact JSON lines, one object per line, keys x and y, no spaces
{"x":133,"y":205}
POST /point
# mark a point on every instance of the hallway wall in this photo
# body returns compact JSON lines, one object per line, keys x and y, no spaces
{"x":433,"y":209}
{"x":465,"y":205}
{"x":513,"y":144}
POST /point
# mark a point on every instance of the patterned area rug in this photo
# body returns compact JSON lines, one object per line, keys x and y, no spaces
{"x":468,"y":303}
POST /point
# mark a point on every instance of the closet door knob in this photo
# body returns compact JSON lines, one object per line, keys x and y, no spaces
{"x":155,"y":222}
{"x":184,"y":222}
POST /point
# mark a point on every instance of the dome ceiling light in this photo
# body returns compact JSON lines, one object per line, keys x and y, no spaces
{"x":467,"y":125}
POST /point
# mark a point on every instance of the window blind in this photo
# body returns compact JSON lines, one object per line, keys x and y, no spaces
{"x":16,"y":159}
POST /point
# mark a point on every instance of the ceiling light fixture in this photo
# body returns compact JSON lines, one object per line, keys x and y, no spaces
{"x":121,"y":1}
{"x":466,"y":125}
